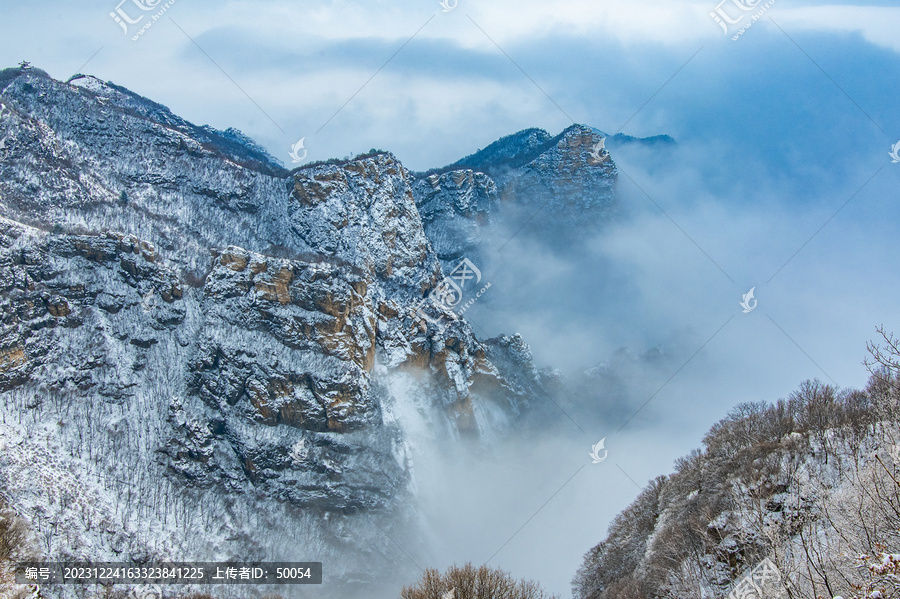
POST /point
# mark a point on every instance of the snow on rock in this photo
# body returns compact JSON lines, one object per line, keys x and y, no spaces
{"x":472,"y":207}
{"x":205,"y":356}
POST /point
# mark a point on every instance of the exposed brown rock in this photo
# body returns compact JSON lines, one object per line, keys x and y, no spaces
{"x":12,"y":358}
{"x":233,"y":261}
{"x":59,"y":308}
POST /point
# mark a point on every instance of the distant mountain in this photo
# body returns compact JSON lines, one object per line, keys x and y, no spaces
{"x":620,"y":139}
{"x":473,"y":206}
{"x":511,"y":151}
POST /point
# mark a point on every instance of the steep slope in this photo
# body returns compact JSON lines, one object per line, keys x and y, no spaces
{"x":799,"y":498}
{"x":205,"y":356}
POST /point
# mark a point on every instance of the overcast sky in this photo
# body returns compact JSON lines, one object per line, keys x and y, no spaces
{"x":781,"y":181}
{"x":458,"y":80}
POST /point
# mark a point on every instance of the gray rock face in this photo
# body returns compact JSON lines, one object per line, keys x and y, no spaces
{"x":365,"y":213}
{"x":228,"y":357}
{"x":458,"y":208}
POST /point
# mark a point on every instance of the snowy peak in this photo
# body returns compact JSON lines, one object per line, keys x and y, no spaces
{"x":512,"y":150}
{"x":521,"y":148}
{"x":470,"y":206}
{"x":578,"y":147}
{"x":231,"y":142}
{"x":570,"y":176}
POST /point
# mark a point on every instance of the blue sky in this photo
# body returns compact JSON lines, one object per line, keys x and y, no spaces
{"x":781,"y":166}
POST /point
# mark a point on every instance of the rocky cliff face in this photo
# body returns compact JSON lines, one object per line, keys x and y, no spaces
{"x":232,"y":358}
{"x":458,"y":210}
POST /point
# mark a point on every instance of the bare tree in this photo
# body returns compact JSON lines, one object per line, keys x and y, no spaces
{"x":469,"y":582}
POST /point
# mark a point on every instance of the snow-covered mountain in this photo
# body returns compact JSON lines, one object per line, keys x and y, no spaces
{"x":566,"y":182}
{"x":206,"y":356}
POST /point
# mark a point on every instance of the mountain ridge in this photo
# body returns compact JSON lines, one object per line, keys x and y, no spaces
{"x":219,"y":332}
{"x":806,"y":486}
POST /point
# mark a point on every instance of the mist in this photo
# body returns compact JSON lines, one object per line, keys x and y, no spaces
{"x":642,"y":318}
{"x":779,"y":181}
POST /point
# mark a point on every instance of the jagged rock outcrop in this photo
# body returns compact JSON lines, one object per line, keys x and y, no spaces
{"x":572,"y":177}
{"x":472,"y":207}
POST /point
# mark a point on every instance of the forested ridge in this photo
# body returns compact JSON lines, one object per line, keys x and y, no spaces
{"x":809,"y":482}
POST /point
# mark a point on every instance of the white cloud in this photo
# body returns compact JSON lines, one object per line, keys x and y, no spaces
{"x":877,"y":25}
{"x":505,"y":21}
{"x":510,"y":22}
